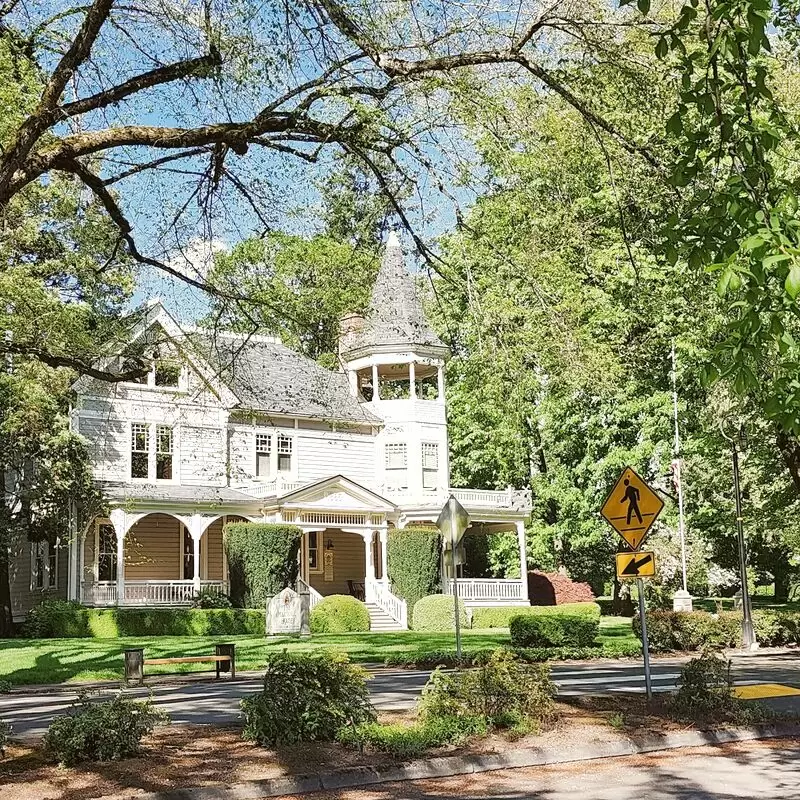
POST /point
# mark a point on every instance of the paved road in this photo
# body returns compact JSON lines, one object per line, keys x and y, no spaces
{"x":218,"y":703}
{"x":746,"y":771}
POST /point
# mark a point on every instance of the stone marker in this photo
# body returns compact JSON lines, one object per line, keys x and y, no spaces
{"x":284,"y":613}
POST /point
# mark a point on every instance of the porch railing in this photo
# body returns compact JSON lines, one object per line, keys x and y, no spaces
{"x":378,"y":592}
{"x":313,"y":595}
{"x":487,"y":590}
{"x":147,"y":593}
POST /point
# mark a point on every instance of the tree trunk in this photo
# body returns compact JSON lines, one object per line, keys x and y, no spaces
{"x":782,"y":586}
{"x":6,"y":622}
{"x":789,"y":447}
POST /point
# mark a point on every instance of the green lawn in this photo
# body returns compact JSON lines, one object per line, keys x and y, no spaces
{"x":759,"y":601}
{"x":39,"y":661}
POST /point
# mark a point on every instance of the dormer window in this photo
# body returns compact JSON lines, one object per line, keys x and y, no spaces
{"x":166,"y":373}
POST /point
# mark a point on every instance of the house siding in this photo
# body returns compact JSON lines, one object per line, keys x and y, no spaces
{"x":349,"y":562}
{"x":153,"y":549}
{"x":320,"y":455}
{"x":23,"y":597}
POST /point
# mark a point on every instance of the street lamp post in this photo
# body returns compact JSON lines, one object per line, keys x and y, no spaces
{"x":748,"y":634}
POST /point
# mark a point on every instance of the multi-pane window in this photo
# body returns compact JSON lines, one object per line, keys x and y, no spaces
{"x":163,"y":453}
{"x":314,"y":563}
{"x":44,"y":566}
{"x":140,"y":450}
{"x":166,"y":373}
{"x":397,"y":465}
{"x":284,"y":453}
{"x":430,"y":465}
{"x":263,"y":455}
{"x":188,"y":554}
{"x":106,"y":553}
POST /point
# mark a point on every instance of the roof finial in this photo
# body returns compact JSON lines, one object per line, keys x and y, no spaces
{"x":393,"y":240}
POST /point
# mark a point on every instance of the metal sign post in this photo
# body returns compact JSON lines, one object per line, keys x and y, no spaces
{"x":452,"y":522}
{"x":645,"y":646}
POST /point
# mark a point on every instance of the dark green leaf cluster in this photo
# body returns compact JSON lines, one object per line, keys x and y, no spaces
{"x":414,"y":562}
{"x":436,"y":612}
{"x":555,"y":629}
{"x":262,"y":560}
{"x":101,"y":731}
{"x":339,"y":613}
{"x":306,"y":698}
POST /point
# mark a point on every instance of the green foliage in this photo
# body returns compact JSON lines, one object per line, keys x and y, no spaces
{"x":410,"y":741}
{"x":211,"y":598}
{"x":101,"y":731}
{"x":705,"y":689}
{"x":501,"y":617}
{"x":306,"y":698}
{"x":262,"y":560}
{"x":555,"y":629}
{"x":339,"y":613}
{"x":500,"y":689}
{"x":414,"y":556}
{"x":61,"y":619}
{"x":5,"y":732}
{"x":436,"y":612}
{"x":777,"y":628}
{"x":675,"y":630}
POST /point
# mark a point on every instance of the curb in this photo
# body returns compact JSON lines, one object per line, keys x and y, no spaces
{"x":450,"y":766}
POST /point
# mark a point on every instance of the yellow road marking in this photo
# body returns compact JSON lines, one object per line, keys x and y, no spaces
{"x":762,"y":690}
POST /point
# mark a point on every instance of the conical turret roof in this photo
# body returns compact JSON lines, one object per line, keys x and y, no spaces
{"x":395,"y":319}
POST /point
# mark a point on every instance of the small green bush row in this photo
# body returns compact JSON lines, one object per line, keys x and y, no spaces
{"x":106,"y":731}
{"x":675,"y":630}
{"x":436,"y":612}
{"x":501,"y":617}
{"x":339,"y":613}
{"x":554,"y":630}
{"x":410,"y":741}
{"x":61,"y":619}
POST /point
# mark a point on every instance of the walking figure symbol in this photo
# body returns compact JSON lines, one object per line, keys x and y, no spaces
{"x":631,"y":496}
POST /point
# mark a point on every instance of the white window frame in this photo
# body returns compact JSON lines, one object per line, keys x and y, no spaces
{"x":113,"y":552}
{"x":269,"y":451}
{"x":153,"y":430}
{"x":284,"y":446}
{"x":318,"y":548}
{"x":42,"y":552}
{"x":430,"y":465}
{"x":159,"y":433}
{"x":149,"y":381}
{"x":135,"y":431}
{"x":399,"y":474}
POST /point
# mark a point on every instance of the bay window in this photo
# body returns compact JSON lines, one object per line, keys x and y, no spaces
{"x":430,"y":465}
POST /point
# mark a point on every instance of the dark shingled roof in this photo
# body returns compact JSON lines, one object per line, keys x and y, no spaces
{"x":395,"y":315}
{"x":155,"y":492}
{"x":268,"y":376}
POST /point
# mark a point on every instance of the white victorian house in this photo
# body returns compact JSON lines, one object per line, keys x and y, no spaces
{"x":230,"y":427}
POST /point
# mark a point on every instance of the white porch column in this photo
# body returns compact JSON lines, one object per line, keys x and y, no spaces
{"x":383,"y":533}
{"x":119,"y":519}
{"x":196,"y":529}
{"x":440,"y":383}
{"x":376,"y":395}
{"x":370,"y":566}
{"x":523,"y":558}
{"x":412,"y":379}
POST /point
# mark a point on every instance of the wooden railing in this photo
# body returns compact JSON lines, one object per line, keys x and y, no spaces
{"x":376,"y":591}
{"x":147,"y":593}
{"x":487,"y":589}
{"x":511,"y":499}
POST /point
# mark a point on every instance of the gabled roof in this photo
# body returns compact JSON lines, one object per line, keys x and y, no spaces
{"x":267,"y":376}
{"x":347,"y":493}
{"x":395,"y":319}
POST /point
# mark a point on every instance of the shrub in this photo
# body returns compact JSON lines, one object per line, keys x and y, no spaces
{"x":211,"y":598}
{"x":262,"y":560}
{"x":775,"y":628}
{"x":501,"y":617}
{"x":500,"y":690}
{"x":414,"y":556}
{"x":306,"y":697}
{"x":339,"y":613}
{"x":677,"y":630}
{"x":555,"y":588}
{"x":555,"y":629}
{"x":705,"y":688}
{"x":408,"y":741}
{"x":436,"y":612}
{"x":72,"y":620}
{"x":5,"y":686}
{"x":5,"y":732}
{"x":60,"y":618}
{"x":106,"y":731}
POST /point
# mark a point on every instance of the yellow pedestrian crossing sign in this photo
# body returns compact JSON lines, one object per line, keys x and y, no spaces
{"x":631,"y":508}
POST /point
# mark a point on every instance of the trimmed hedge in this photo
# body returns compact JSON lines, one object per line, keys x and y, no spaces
{"x":555,"y":629}
{"x":339,"y":613}
{"x":262,"y":560}
{"x":414,"y":557}
{"x":59,"y":619}
{"x":436,"y":612}
{"x":501,"y":617}
{"x":677,"y":630}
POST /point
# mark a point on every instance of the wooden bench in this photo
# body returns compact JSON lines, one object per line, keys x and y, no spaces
{"x":224,"y":660}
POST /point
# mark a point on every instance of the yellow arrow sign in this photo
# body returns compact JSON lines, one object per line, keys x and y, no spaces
{"x":631,"y":508}
{"x":636,"y":565}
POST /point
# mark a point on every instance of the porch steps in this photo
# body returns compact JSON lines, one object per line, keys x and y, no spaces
{"x":380,"y":621}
